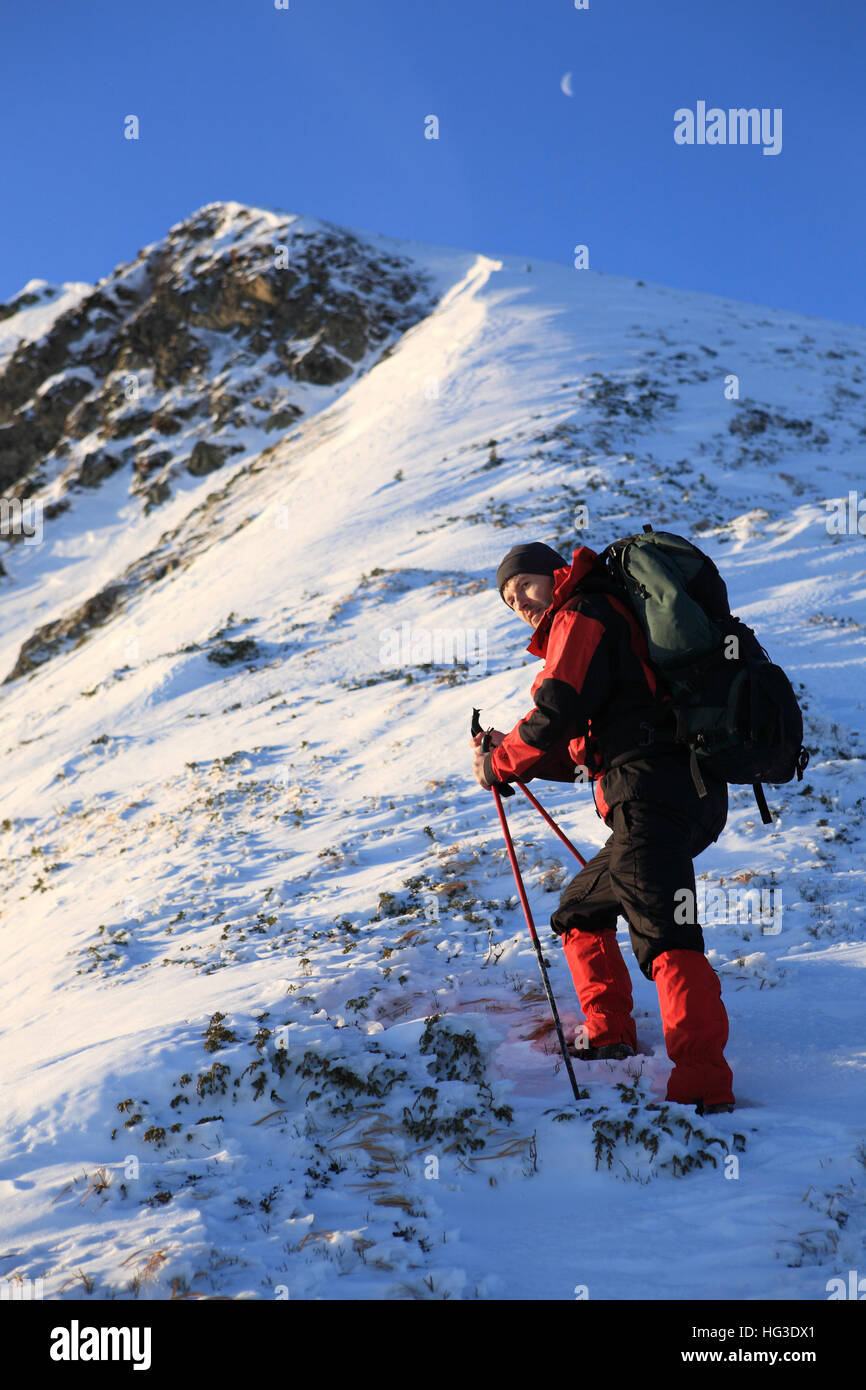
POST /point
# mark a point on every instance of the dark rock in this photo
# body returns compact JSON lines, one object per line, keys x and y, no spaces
{"x":282,"y":419}
{"x":166,"y":423}
{"x":228,"y":409}
{"x":46,"y":641}
{"x":85,"y":418}
{"x":156,"y":494}
{"x":96,"y":468}
{"x":206,"y":458}
{"x":8,"y":311}
{"x":32,"y":433}
{"x":53,"y":509}
{"x":146,"y":464}
{"x":320,"y":367}
{"x":135,"y":423}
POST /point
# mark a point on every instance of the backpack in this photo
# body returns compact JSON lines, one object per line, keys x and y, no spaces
{"x":735,"y":710}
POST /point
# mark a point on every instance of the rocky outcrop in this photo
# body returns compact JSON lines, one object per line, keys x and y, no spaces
{"x":65,"y":632}
{"x":148,"y":357}
{"x":170,"y":366}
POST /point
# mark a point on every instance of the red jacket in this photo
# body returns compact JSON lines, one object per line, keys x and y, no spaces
{"x":594,"y":697}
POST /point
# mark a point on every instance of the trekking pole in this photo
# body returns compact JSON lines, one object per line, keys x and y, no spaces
{"x":552,"y":823}
{"x":476,"y":729}
{"x":527,"y":912}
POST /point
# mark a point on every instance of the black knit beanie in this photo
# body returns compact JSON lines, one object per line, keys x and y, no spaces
{"x":534,"y":557}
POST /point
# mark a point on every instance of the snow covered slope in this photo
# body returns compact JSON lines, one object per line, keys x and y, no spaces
{"x":270,"y":1020}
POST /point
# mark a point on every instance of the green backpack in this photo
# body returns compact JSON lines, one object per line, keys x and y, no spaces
{"x":735,"y":711}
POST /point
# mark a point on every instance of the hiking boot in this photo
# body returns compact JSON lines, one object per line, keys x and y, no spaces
{"x":608,"y":1051}
{"x":720,"y":1109}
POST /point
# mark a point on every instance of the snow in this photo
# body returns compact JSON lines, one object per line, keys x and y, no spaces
{"x":32,"y":320}
{"x":294,"y":841}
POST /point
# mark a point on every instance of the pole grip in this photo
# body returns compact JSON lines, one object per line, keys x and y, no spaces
{"x":485,"y":747}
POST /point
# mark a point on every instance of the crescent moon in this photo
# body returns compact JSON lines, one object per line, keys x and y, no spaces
{"x":565,"y":84}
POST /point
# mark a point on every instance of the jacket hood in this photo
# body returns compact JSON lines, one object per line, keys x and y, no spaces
{"x":565,"y":581}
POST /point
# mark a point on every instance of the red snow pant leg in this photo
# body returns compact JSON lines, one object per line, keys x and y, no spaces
{"x":603,"y":986}
{"x":695,"y":1025}
{"x":645,"y":873}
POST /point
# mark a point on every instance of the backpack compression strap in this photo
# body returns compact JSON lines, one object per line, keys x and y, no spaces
{"x":762,"y":803}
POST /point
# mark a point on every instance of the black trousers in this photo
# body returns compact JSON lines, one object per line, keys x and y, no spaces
{"x":659,"y":824}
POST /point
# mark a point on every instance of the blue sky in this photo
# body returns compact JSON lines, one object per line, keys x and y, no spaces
{"x":320,"y":109}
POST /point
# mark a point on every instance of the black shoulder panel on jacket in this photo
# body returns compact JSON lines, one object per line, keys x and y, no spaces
{"x":557,"y":709}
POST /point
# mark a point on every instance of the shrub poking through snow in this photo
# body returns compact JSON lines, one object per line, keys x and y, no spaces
{"x":661,"y":1138}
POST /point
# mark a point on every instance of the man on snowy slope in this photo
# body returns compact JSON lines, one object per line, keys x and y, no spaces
{"x":596,"y":709}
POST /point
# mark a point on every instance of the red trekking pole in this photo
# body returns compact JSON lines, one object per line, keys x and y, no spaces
{"x":552,"y":823}
{"x":524,"y":902}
